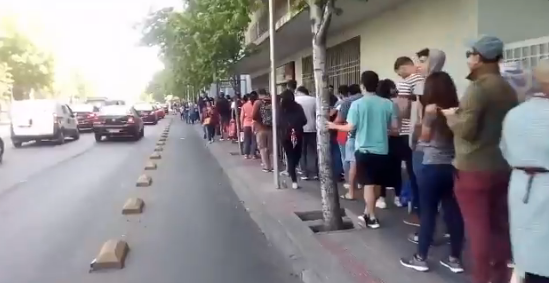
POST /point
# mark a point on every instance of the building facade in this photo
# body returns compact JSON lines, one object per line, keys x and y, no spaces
{"x":370,"y":35}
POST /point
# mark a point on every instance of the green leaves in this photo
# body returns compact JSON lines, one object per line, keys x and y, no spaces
{"x":200,"y":44}
{"x":27,"y":67}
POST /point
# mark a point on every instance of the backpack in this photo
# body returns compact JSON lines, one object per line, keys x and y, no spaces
{"x":265,"y":110}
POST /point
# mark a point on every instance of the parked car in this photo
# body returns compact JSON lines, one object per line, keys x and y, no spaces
{"x":118,"y":121}
{"x":160,"y":112}
{"x":42,"y":119}
{"x":85,"y":115}
{"x":147,"y":112}
{"x":1,"y":150}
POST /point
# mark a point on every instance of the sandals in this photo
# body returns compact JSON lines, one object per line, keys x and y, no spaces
{"x":346,"y":196}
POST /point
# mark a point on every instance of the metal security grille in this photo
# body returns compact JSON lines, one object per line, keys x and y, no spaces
{"x":527,"y":52}
{"x":342,"y":65}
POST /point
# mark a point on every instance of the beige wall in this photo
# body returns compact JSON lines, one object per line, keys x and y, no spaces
{"x":514,"y":20}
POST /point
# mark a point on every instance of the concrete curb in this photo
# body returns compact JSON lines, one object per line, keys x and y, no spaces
{"x":286,"y":232}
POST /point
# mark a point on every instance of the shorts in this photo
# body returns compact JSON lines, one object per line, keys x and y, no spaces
{"x":265,"y":139}
{"x":350,"y":150}
{"x":373,"y":169}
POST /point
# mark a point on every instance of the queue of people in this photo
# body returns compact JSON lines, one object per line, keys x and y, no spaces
{"x":483,"y":160}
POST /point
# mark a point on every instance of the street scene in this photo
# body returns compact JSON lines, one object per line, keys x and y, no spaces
{"x":60,"y":203}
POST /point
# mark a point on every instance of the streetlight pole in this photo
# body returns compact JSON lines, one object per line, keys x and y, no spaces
{"x":273,"y":93}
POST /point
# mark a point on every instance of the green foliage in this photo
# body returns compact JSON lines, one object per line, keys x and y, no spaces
{"x":29,"y":67}
{"x":6,"y":81}
{"x":199,"y":45}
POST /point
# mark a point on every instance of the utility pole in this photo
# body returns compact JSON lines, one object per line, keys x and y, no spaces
{"x":273,"y":93}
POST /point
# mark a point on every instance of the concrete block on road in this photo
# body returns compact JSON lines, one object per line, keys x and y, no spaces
{"x":151,"y":166}
{"x":158,"y":149}
{"x":161,"y":143}
{"x":162,"y":139}
{"x":143,"y":181}
{"x":111,"y":256}
{"x":155,"y":155}
{"x":164,"y":135}
{"x":133,"y":206}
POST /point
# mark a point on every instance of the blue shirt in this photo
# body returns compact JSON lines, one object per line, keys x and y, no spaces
{"x":371,"y":117}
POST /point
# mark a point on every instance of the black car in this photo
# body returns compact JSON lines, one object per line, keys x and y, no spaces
{"x":118,"y":121}
{"x":85,"y":114}
{"x":1,"y":150}
{"x":147,"y":112}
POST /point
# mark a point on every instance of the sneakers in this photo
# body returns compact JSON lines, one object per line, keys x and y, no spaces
{"x":420,"y":264}
{"x":412,"y":220}
{"x":453,"y":264}
{"x":346,"y":186}
{"x":372,"y":223}
{"x":397,"y":202}
{"x":413,"y":238}
{"x":295,"y":186}
{"x":416,"y":263}
{"x":380,"y":203}
{"x":306,"y":178}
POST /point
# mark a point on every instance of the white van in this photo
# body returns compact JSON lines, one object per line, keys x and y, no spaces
{"x":36,"y":120}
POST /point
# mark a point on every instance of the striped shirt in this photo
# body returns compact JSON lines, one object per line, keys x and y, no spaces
{"x":412,"y":85}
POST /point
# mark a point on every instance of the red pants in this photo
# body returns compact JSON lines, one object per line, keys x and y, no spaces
{"x":482,"y":197}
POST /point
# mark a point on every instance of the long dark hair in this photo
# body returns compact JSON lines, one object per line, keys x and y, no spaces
{"x":287,"y":101}
{"x":441,"y":91}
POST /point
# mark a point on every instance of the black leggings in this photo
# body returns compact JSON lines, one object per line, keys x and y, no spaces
{"x":293,"y":154}
{"x":210,"y":132}
{"x":532,"y":278}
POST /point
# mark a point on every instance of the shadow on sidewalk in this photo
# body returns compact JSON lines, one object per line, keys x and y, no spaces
{"x":366,"y":255}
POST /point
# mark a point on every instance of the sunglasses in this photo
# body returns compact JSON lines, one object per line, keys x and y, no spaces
{"x":470,"y":53}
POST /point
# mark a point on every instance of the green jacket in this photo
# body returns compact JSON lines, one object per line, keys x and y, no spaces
{"x":478,"y":121}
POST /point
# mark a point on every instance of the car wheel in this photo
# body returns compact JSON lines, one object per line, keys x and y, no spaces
{"x":61,"y":137}
{"x":98,"y":138}
{"x":142,"y":133}
{"x":76,"y":135}
{"x":1,"y":150}
{"x":17,"y":144}
{"x":155,"y":122}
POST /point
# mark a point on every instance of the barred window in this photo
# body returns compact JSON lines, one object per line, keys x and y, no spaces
{"x":342,"y":65}
{"x":528,"y":52}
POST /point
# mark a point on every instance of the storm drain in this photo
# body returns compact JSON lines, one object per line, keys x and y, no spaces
{"x":315,"y":221}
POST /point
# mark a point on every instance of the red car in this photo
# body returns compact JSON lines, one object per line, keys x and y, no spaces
{"x":160,"y":112}
{"x":147,"y":112}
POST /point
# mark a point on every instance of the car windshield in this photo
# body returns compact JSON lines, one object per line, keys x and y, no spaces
{"x":82,"y":108}
{"x":143,"y":107}
{"x":115,"y":110}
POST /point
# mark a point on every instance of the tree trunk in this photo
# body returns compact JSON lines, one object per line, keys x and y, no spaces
{"x":20,"y":92}
{"x":320,"y":20}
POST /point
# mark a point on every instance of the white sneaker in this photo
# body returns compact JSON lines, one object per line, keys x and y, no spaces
{"x":397,"y":202}
{"x":295,"y":186}
{"x":346,"y":186}
{"x":359,"y":186}
{"x":380,"y":203}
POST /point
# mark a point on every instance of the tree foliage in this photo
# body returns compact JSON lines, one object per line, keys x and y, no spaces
{"x":6,"y":81}
{"x":200,"y":44}
{"x":29,"y":67}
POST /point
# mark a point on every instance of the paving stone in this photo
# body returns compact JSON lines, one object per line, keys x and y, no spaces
{"x":133,"y":206}
{"x":111,"y":256}
{"x":151,"y":166}
{"x":143,"y":181}
{"x":158,"y":149}
{"x":155,"y":155}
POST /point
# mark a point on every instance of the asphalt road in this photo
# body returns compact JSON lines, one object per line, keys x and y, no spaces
{"x":58,"y":204}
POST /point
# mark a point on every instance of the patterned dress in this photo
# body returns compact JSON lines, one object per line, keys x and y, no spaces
{"x":525,"y":143}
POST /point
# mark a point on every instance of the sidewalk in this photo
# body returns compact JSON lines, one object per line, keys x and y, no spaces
{"x":351,"y":256}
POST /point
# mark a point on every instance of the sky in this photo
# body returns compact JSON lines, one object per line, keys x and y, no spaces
{"x":97,"y":38}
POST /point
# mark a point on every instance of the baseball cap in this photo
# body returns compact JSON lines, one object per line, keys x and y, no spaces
{"x":489,"y":47}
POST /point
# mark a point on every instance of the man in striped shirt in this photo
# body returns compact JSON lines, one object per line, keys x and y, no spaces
{"x":410,"y":88}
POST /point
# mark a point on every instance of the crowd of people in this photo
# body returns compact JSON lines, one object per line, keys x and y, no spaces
{"x":482,"y":160}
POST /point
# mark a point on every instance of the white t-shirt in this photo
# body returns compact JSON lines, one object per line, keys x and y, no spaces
{"x":308,"y":103}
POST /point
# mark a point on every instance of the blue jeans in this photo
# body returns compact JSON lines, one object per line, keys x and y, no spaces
{"x":417,"y":164}
{"x":436,"y":183}
{"x":346,"y":164}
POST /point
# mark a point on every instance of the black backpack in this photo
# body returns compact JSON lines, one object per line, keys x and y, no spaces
{"x":265,"y":110}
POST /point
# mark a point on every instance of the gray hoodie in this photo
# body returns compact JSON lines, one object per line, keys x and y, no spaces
{"x":437,"y":58}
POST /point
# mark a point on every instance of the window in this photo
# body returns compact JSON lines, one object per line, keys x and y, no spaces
{"x":64,"y":109}
{"x":528,"y":52}
{"x":342,"y":65}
